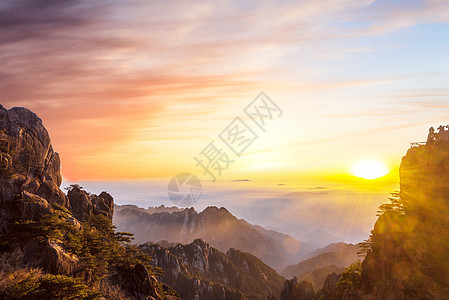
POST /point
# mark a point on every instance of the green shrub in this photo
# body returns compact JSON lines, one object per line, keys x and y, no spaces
{"x":36,"y":286}
{"x":349,"y":280}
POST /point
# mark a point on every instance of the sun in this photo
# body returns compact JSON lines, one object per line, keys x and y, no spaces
{"x":370,"y":169}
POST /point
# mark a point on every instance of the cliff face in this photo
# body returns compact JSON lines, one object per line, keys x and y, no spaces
{"x":66,"y":235}
{"x":424,"y":175}
{"x":294,"y":290}
{"x":410,"y":244}
{"x":30,"y":174}
{"x":199,"y":271}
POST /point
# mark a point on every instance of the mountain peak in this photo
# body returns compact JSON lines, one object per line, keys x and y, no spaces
{"x":216,"y":226}
{"x":215,"y":210}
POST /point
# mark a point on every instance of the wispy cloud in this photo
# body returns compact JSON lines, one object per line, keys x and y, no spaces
{"x":109,"y":78}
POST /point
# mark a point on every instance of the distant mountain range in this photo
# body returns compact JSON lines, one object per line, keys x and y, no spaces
{"x":339,"y":255}
{"x":216,"y":226}
{"x":318,"y":276}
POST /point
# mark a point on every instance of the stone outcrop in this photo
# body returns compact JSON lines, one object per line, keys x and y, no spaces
{"x":199,"y":271}
{"x":51,"y":257}
{"x":30,"y":175}
{"x":29,"y":185}
{"x":31,"y":199}
{"x":294,"y":290}
{"x":85,"y":205}
{"x":30,"y":170}
{"x":408,"y":257}
{"x":141,"y":285}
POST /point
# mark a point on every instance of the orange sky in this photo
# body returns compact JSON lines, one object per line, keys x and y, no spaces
{"x":133,"y":92}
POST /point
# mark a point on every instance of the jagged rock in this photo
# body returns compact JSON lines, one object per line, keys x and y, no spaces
{"x":199,"y":271}
{"x":51,"y":192}
{"x":27,"y":143}
{"x":80,"y":203}
{"x":294,"y":290}
{"x":28,"y":164}
{"x":138,"y":282}
{"x":103,"y":204}
{"x":33,"y":207}
{"x":29,"y":185}
{"x":84,"y":205}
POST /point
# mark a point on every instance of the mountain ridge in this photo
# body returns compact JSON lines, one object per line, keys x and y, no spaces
{"x":199,"y":270}
{"x":338,"y":254}
{"x":216,"y":226}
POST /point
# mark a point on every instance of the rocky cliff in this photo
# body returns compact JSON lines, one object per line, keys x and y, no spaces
{"x":69,"y":237}
{"x":30,"y":173}
{"x":30,"y":176}
{"x":408,"y":258}
{"x":199,"y":271}
{"x":29,"y":186}
{"x":294,"y":290}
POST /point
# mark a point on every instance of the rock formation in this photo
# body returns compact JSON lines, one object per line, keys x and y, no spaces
{"x":30,"y":176}
{"x":31,"y":200}
{"x":199,"y":271}
{"x":294,"y":290}
{"x":85,"y":205}
{"x":409,"y":244}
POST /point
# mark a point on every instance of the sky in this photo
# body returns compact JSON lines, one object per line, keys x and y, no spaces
{"x":133,"y":91}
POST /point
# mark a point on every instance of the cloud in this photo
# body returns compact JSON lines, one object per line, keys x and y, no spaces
{"x":103,"y":75}
{"x":343,"y":213}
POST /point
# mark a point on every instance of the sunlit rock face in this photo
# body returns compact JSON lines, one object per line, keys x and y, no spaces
{"x":29,"y":168}
{"x":424,"y":174}
{"x":39,"y":221}
{"x":30,"y":174}
{"x":85,"y":205}
{"x":30,"y":178}
{"x":409,"y":257}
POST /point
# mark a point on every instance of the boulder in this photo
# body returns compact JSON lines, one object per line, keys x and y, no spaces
{"x":80,"y":203}
{"x":84,"y":205}
{"x":52,"y":193}
{"x":51,"y":257}
{"x":33,"y":207}
{"x":103,"y":204}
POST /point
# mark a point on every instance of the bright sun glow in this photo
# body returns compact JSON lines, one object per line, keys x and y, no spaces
{"x":370,"y":169}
